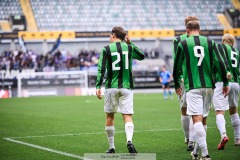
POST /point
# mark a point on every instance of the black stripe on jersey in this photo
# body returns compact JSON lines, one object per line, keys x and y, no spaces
{"x":120,"y":74}
{"x":200,"y":68}
{"x":234,"y":73}
{"x":222,"y":66}
{"x":210,"y":51}
{"x":138,"y":53}
{"x":178,"y":39}
{"x":225,"y":50}
{"x":109,"y":72}
{"x":185,"y":48}
{"x":103,"y":67}
{"x":178,"y":54}
{"x":223,"y":55}
{"x":130,"y":71}
{"x":175,"y":44}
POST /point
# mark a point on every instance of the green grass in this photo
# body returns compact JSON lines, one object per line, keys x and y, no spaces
{"x":76,"y":115}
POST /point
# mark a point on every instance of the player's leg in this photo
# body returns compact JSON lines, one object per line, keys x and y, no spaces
{"x":185,"y":123}
{"x":126,"y":108}
{"x":164,"y":91}
{"x":195,"y":101}
{"x":233,"y":110}
{"x":169,"y":90}
{"x":236,"y":124}
{"x":110,"y":107}
{"x":110,"y":131}
{"x":220,"y":104}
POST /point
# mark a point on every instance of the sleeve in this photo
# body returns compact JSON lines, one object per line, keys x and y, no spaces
{"x":136,"y":52}
{"x":175,"y":44}
{"x":101,"y":68}
{"x":222,"y":68}
{"x":178,"y":62}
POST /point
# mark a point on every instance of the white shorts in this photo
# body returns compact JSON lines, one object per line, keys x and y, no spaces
{"x":220,"y":102}
{"x":199,"y":101}
{"x":182,"y":98}
{"x":233,"y":94}
{"x":118,"y":100}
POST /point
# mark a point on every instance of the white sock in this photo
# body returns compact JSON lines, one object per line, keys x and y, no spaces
{"x":200,"y":135}
{"x":110,"y":130}
{"x":191,"y":132}
{"x":197,"y":148}
{"x":185,"y":125}
{"x":205,"y":128}
{"x":236,"y":125}
{"x":221,"y":124}
{"x":129,"y":128}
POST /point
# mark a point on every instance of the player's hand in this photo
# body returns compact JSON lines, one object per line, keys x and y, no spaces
{"x":229,"y":76}
{"x":225,"y":90}
{"x":127,"y":39}
{"x":179,"y":91}
{"x":98,"y":93}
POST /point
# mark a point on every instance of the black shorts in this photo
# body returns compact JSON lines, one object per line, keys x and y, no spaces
{"x":166,"y":85}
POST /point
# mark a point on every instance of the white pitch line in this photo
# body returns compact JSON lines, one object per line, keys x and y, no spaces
{"x":77,"y":134}
{"x":47,"y":149}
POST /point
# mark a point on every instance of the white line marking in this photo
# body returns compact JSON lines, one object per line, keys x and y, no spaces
{"x":46,"y":149}
{"x":77,"y":134}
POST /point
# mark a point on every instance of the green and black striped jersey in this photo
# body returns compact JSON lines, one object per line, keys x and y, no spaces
{"x":117,"y":59}
{"x":218,"y":75}
{"x":176,"y":41}
{"x":197,"y":56}
{"x":232,"y":55}
{"x":175,"y":44}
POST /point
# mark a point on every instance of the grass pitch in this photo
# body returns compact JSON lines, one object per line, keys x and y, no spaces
{"x":75,"y":125}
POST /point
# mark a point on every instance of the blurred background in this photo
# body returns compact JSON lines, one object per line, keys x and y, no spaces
{"x":51,"y":48}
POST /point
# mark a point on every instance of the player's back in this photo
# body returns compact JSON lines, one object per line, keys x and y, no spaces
{"x":119,"y":64}
{"x":232,"y":55}
{"x":198,"y":61}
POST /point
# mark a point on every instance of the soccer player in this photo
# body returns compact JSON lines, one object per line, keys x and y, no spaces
{"x":197,"y":56}
{"x":117,"y":59}
{"x":221,"y":104}
{"x":187,"y":124}
{"x":165,"y":78}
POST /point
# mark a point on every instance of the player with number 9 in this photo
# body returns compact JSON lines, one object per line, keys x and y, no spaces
{"x":198,"y":56}
{"x":117,"y":59}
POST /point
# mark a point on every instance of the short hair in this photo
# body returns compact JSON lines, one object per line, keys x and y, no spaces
{"x":120,"y":32}
{"x":228,"y":39}
{"x":193,"y":25}
{"x":190,"y":18}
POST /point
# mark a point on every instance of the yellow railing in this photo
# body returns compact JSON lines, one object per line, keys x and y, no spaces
{"x":27,"y":10}
{"x":236,"y":4}
{"x":223,"y":20}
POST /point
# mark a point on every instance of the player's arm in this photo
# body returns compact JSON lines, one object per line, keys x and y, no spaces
{"x":217,"y":60}
{"x":101,"y":71}
{"x":176,"y":67}
{"x":136,"y":52}
{"x":221,"y":60}
{"x":170,"y":77}
{"x":175,"y":45}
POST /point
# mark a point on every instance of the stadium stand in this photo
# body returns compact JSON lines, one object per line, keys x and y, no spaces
{"x":9,"y":7}
{"x":94,"y":15}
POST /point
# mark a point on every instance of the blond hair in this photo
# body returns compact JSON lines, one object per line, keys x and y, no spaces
{"x":190,"y":18}
{"x":228,"y":39}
